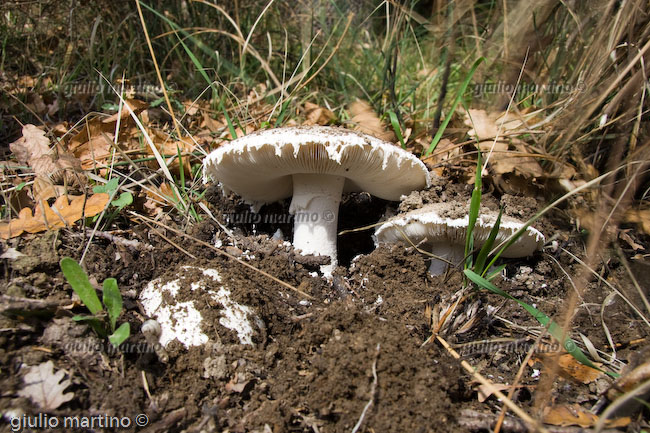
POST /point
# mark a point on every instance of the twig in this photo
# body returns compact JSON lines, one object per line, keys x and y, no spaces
{"x":373,"y":388}
{"x":131,"y":243}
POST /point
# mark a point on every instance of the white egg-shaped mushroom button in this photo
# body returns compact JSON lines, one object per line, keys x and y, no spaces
{"x":444,"y":231}
{"x":314,"y":165}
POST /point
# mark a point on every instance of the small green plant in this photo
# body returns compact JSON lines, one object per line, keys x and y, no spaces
{"x":477,"y":267}
{"x":112,"y":302}
{"x":119,"y":203}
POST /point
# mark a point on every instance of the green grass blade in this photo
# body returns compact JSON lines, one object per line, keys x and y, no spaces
{"x":120,"y":335}
{"x":398,"y":130}
{"x":474,"y":208}
{"x":554,"y":329}
{"x":201,"y":69}
{"x":497,"y":270}
{"x":459,"y":96}
{"x":112,"y":300}
{"x":78,"y":279}
{"x":487,"y":247}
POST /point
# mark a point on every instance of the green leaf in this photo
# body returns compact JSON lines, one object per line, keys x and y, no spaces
{"x":398,"y":130}
{"x":554,"y":329}
{"x":107,"y":188}
{"x":459,"y":95}
{"x":123,"y":200}
{"x":487,"y":246}
{"x":474,"y":207}
{"x":20,"y":186}
{"x":94,"y":323}
{"x":78,"y":279}
{"x":112,"y":300}
{"x":497,"y":270}
{"x":120,"y":334}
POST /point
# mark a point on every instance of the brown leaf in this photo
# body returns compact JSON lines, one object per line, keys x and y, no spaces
{"x":367,"y":121}
{"x":630,"y":380}
{"x":485,"y":126}
{"x":640,"y":217}
{"x":45,"y":388}
{"x":566,"y":415}
{"x":61,"y":214}
{"x":526,"y":166}
{"x":317,"y":115}
{"x":33,"y":144}
{"x":570,"y":368}
{"x":136,"y":105}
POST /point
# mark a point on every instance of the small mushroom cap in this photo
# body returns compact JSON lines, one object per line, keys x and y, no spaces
{"x":442,"y":222}
{"x":259,"y":166}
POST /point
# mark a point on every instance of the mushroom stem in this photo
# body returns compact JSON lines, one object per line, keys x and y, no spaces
{"x":448,"y":251}
{"x":315,"y":206}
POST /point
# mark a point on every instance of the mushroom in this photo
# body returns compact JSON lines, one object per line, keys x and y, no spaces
{"x":443,"y":229}
{"x":313,"y":165}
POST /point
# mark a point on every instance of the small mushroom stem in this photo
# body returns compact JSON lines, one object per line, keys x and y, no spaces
{"x":448,"y":251}
{"x":315,"y":206}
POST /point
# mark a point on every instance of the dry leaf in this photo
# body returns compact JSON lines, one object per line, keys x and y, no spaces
{"x":61,"y":214}
{"x":45,"y":388}
{"x":624,"y":236}
{"x":629,"y":381}
{"x":566,"y":415}
{"x":317,"y":115}
{"x":33,"y":144}
{"x":136,"y":105}
{"x":170,"y":149}
{"x":526,"y":166}
{"x":570,"y":368}
{"x":485,"y":126}
{"x":640,"y":217}
{"x":211,"y":124}
{"x":367,"y":121}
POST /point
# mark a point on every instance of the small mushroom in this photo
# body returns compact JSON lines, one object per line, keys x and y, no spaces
{"x":314,"y":165}
{"x":443,"y":229}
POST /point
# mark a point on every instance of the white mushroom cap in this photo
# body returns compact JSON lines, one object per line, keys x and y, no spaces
{"x":445,"y":230}
{"x":315,"y":165}
{"x":259,"y":166}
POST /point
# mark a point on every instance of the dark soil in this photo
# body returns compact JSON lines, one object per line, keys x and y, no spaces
{"x":355,"y":351}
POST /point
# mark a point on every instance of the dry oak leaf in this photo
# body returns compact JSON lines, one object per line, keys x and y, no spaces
{"x":485,"y":126}
{"x":45,"y":388}
{"x":136,"y":106}
{"x":61,"y":214}
{"x":33,"y":144}
{"x":367,"y":121}
{"x":566,"y":415}
{"x":570,"y":368}
{"x":317,"y":115}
